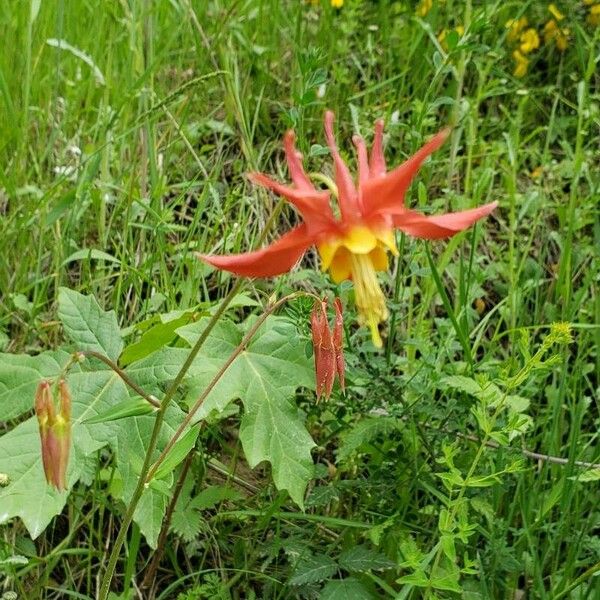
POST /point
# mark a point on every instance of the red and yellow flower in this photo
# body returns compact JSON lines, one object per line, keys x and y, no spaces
{"x":353,"y":244}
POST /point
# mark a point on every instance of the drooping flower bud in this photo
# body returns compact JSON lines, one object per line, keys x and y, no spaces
{"x":55,"y":431}
{"x":323,"y":349}
{"x":328,"y":347}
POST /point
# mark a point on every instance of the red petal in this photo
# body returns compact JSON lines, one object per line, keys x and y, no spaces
{"x":381,"y":194}
{"x":347,"y":194}
{"x":313,"y":205}
{"x":363,"y":161}
{"x":273,"y":260}
{"x":439,"y":226}
{"x":377,"y":158}
{"x":338,"y":343}
{"x":294,"y":161}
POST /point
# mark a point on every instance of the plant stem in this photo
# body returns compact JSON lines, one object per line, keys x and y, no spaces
{"x":123,"y":375}
{"x":148,"y":580}
{"x":396,"y":299}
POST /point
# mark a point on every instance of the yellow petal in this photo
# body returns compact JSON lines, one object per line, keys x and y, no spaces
{"x":379,"y":259}
{"x":388,"y":239}
{"x":327,"y":251}
{"x":341,"y":266}
{"x":555,"y":12}
{"x":530,"y":41}
{"x":360,"y":240}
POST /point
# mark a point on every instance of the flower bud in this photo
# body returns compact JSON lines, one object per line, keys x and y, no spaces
{"x":338,"y":343}
{"x":55,"y":431}
{"x":323,"y":349}
{"x":328,"y":347}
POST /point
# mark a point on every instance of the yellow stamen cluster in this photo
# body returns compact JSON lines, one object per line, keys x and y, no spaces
{"x":370,"y":300}
{"x":358,"y":255}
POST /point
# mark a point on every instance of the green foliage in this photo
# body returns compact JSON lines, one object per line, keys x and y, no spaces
{"x":265,"y":377}
{"x":182,"y":447}
{"x":363,"y":432}
{"x":124,"y":149}
{"x":87,"y":325}
{"x":313,"y":569}
{"x":345,"y":588}
{"x":19,"y":377}
{"x":361,"y":559}
{"x":136,"y":407}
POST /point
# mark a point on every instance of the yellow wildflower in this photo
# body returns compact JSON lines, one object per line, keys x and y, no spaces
{"x":537,"y":172}
{"x":480,"y":305}
{"x":556,"y":34}
{"x":424,"y":7}
{"x":593,"y":17}
{"x":550,"y":29}
{"x":442,"y":35}
{"x":515,"y":27}
{"x":337,"y":3}
{"x":530,"y":41}
{"x":562,"y":39}
{"x":521,"y":64}
{"x":560,"y":333}
{"x":555,"y":12}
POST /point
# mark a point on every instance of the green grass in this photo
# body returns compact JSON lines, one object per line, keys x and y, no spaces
{"x":148,"y":166}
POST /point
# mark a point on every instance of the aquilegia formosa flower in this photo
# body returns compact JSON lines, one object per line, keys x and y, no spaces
{"x":355,"y":244}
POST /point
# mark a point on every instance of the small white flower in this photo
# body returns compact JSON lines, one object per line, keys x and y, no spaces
{"x":68,"y":171}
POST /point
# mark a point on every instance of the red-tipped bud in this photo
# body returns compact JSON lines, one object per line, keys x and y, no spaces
{"x":329,"y":358}
{"x":55,"y":431}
